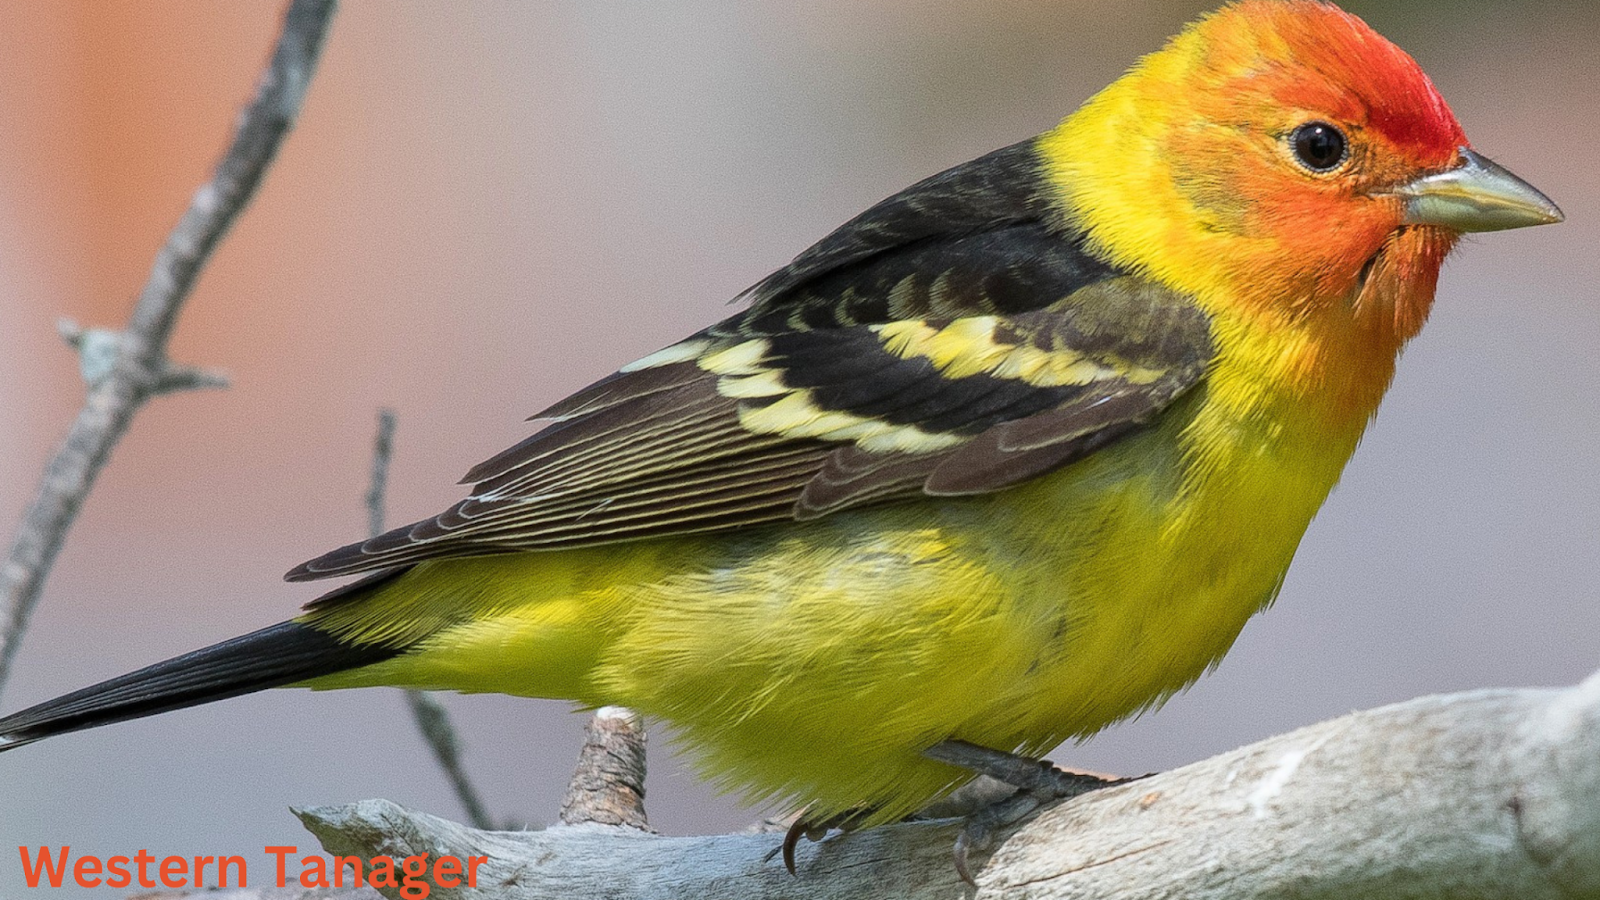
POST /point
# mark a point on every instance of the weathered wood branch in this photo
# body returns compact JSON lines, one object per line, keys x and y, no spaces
{"x":607,"y":787}
{"x":1490,"y":794}
{"x":125,"y":368}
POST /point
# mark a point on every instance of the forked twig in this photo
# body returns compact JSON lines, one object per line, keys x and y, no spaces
{"x":429,"y":714}
{"x":123,"y":369}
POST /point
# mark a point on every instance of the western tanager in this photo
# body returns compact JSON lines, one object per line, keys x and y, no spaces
{"x":1010,"y":456}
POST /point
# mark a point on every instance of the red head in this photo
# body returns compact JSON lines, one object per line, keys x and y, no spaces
{"x":1290,"y":168}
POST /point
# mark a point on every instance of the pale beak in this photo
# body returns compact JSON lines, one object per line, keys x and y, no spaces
{"x":1476,"y":195}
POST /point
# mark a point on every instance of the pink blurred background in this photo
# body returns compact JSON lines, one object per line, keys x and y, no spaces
{"x":487,"y":206}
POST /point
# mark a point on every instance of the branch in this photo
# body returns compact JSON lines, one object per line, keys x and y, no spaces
{"x":123,"y":369}
{"x":433,"y":723}
{"x":378,"y":484}
{"x":607,"y":788}
{"x":1489,"y":794}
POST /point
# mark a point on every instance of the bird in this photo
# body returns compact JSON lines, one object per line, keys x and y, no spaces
{"x":1009,"y":457}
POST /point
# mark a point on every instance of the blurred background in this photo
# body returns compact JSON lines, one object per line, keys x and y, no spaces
{"x":485,"y":207}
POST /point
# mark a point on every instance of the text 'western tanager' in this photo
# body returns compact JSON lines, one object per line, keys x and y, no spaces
{"x":1010,"y":456}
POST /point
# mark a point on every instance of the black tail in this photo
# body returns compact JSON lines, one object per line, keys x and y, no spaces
{"x":272,"y":657}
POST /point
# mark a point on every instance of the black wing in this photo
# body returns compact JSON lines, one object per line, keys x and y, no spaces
{"x":954,"y":339}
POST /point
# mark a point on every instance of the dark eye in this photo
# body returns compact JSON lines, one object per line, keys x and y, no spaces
{"x":1319,"y":146}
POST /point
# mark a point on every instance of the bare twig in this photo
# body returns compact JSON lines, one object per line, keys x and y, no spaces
{"x":608,"y":786}
{"x":124,"y":369}
{"x":429,"y":714}
{"x":434,"y":724}
{"x":378,"y":487}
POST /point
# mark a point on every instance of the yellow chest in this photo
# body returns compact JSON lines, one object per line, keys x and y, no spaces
{"x":1151,"y":560}
{"x":816,"y":662}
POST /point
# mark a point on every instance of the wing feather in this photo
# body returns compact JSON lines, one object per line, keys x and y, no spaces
{"x":953,"y":340}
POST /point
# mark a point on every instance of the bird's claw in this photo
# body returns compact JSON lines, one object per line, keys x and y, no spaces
{"x":813,"y":830}
{"x":1037,"y":781}
{"x":801,"y":828}
{"x":979,"y":828}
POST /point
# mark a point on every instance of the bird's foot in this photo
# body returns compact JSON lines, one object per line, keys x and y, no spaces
{"x":1010,"y":787}
{"x":815,"y":830}
{"x":1025,"y":785}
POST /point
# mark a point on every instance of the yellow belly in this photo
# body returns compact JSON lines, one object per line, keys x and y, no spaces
{"x":813,"y":663}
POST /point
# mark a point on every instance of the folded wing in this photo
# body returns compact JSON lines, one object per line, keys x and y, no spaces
{"x":952,"y":340}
